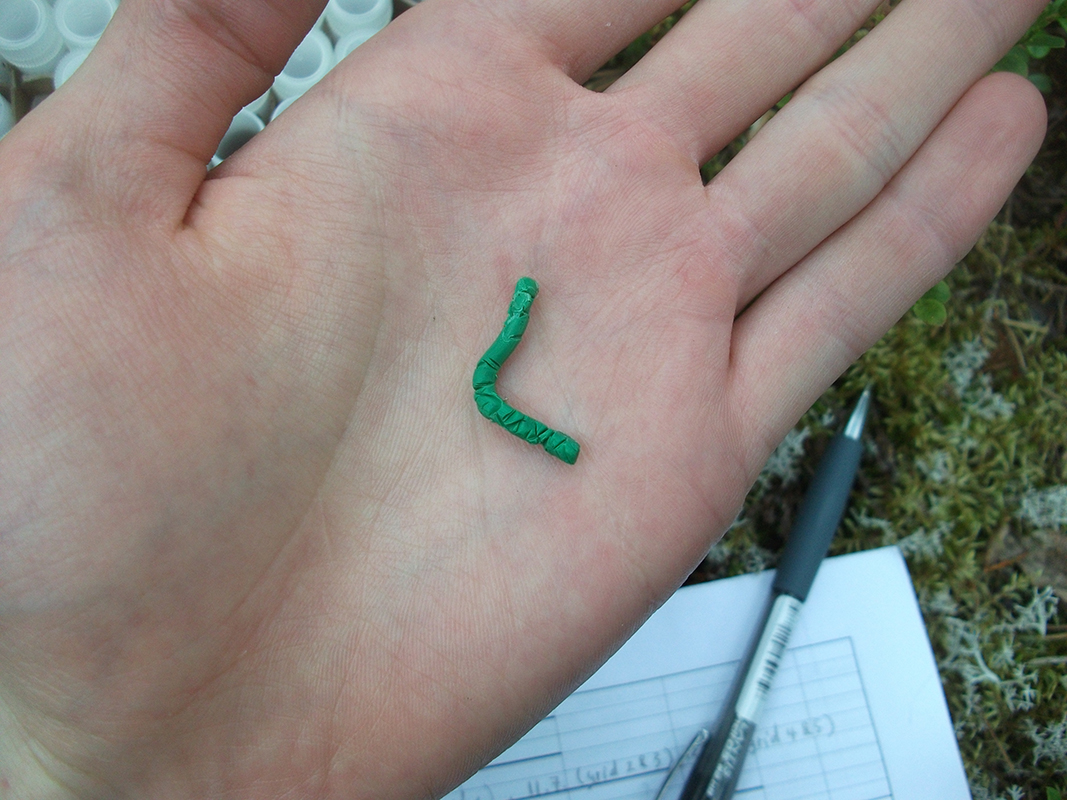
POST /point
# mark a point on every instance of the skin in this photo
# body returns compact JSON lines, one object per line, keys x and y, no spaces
{"x":256,"y":541}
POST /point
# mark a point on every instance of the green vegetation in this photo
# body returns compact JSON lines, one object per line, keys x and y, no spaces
{"x":966,"y":467}
{"x":1039,"y":41}
{"x":966,"y":471}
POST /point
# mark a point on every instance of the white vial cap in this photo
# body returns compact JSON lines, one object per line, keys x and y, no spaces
{"x":278,"y":109}
{"x":350,"y":41}
{"x":345,"y":16}
{"x":259,"y":105}
{"x":29,"y":38}
{"x":81,"y":22}
{"x":68,"y":65}
{"x":244,"y":126}
{"x":311,"y":60}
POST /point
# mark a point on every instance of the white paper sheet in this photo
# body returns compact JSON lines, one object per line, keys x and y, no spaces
{"x":856,"y":712}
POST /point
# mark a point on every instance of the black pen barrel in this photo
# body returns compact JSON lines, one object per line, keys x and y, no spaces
{"x":714,"y":776}
{"x":716,"y":772}
{"x":820,"y":514}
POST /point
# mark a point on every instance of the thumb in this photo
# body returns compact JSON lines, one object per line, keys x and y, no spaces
{"x":146,"y":111}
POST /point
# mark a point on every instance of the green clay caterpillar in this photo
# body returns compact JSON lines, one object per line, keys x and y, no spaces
{"x":492,"y":405}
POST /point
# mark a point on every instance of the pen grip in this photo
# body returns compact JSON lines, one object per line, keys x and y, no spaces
{"x":820,"y":514}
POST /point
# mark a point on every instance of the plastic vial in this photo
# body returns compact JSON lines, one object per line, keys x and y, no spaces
{"x":311,"y":60}
{"x":345,"y":16}
{"x":81,"y":22}
{"x":29,"y":38}
{"x":244,"y":126}
{"x":68,"y":65}
{"x":349,"y":42}
{"x":7,"y":118}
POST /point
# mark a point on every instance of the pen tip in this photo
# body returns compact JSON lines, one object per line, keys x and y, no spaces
{"x":854,"y":427}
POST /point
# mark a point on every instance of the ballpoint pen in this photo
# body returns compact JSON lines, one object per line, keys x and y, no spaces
{"x":717,"y":768}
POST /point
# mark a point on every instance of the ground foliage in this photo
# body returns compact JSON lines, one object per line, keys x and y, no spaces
{"x":966,"y":461}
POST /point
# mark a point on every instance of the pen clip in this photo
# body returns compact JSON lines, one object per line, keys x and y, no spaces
{"x":686,"y":757}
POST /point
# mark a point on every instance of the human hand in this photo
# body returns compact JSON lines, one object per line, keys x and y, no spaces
{"x":255,"y":538}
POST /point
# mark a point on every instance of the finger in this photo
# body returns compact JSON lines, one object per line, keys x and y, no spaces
{"x":847,"y":131}
{"x":152,"y":101}
{"x":725,"y":63}
{"x":578,"y":37}
{"x":815,"y":320}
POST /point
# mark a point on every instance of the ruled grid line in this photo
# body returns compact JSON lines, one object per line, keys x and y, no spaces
{"x":816,"y":740}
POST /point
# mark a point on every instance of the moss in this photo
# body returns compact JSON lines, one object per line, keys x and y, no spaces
{"x":966,"y":471}
{"x":969,"y":427}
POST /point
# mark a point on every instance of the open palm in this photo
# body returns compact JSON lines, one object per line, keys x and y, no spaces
{"x":255,"y":538}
